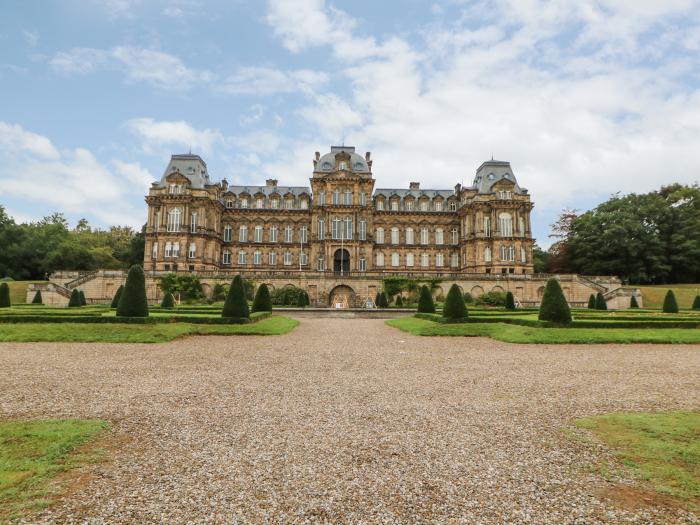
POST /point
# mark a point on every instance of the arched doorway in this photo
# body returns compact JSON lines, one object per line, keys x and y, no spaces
{"x":341,"y":261}
{"x":341,"y":296}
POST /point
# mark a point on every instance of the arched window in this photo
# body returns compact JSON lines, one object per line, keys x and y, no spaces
{"x":174,"y":220}
{"x":380,"y":259}
{"x":409,"y":259}
{"x":379,"y":237}
{"x":409,"y":236}
{"x":335,"y":228}
{"x":227,"y":233}
{"x":394,"y":259}
{"x":348,"y":197}
{"x":439,"y":237}
{"x":487,"y":254}
{"x":394,"y":236}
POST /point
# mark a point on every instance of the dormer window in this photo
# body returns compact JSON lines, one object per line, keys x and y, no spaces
{"x":289,"y":204}
{"x":438,"y":206}
{"x":229,"y":203}
{"x":326,"y":165}
{"x":342,"y":165}
{"x":358,"y":166}
{"x":274,"y":203}
{"x":395,"y":205}
{"x":424,"y":206}
{"x":453,"y":206}
{"x":244,"y":202}
{"x":259,"y":203}
{"x":408,"y":205}
{"x":380,"y":205}
{"x":505,"y":194}
{"x":175,"y":189}
{"x":304,"y":204}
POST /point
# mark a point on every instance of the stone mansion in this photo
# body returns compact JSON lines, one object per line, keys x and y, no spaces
{"x":340,"y":224}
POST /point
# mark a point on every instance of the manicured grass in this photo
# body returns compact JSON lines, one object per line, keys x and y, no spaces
{"x":137,"y":333}
{"x":523,"y":334}
{"x":33,"y":452}
{"x":653,"y":296}
{"x":661,"y":448}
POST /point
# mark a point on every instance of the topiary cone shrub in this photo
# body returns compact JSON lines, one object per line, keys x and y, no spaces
{"x":74,"y":300}
{"x":633,"y":302}
{"x":262,"y":301}
{"x":37,"y":298}
{"x":399,"y":302}
{"x":670,"y":303}
{"x":236,"y":305}
{"x":696,"y":303}
{"x":133,"y":302}
{"x":301,"y":300}
{"x":168,"y":301}
{"x":117,"y":295}
{"x":600,"y":303}
{"x":5,"y":301}
{"x":591,"y":302}
{"x":554,"y":307}
{"x":83,"y":302}
{"x":454,"y":309}
{"x":510,"y":301}
{"x":425,"y":301}
{"x":307,"y":299}
{"x":377,"y":300}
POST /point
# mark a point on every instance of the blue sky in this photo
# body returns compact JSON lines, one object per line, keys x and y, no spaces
{"x":585,"y":98}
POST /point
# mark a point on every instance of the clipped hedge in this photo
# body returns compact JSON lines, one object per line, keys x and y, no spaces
{"x":554,"y":307}
{"x":600,"y":303}
{"x":117,"y":296}
{"x":74,"y":300}
{"x":133,"y":320}
{"x":262,"y":301}
{"x":633,"y":302}
{"x":696,"y":303}
{"x":133,"y":302}
{"x":83,"y":301}
{"x":425,"y":301}
{"x":5,"y":301}
{"x":168,"y":301}
{"x":236,"y":305}
{"x":510,"y":301}
{"x":670,"y":303}
{"x":591,"y":302}
{"x":37,"y":298}
{"x":454,"y":309}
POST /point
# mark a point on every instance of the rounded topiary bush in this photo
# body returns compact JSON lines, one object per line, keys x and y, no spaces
{"x":670,"y":303}
{"x":591,"y":302}
{"x":117,"y":296}
{"x":600,"y":303}
{"x":633,"y":302}
{"x":454,"y":308}
{"x":37,"y":298}
{"x":554,"y":307}
{"x":399,"y":301}
{"x":425,"y":301}
{"x":696,"y":303}
{"x":74,"y":300}
{"x":168,"y":301}
{"x":133,"y":302}
{"x":5,"y":301}
{"x":468,"y":298}
{"x":262,"y":301}
{"x":236,"y":305}
{"x":510,"y":301}
{"x":83,"y":302}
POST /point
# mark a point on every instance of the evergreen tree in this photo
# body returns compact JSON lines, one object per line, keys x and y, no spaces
{"x":425,"y":301}
{"x":236,"y":305}
{"x":168,"y":301}
{"x":83,"y":302}
{"x":262,"y":301}
{"x":5,"y":301}
{"x":377,"y":300}
{"x":554,"y":307}
{"x":468,"y":298}
{"x":301,"y":300}
{"x":633,"y":302}
{"x":117,"y":295}
{"x":307,"y":299}
{"x":696,"y":303}
{"x":133,"y":301}
{"x":510,"y":301}
{"x":454,"y":304}
{"x":37,"y":298}
{"x":600,"y":303}
{"x":670,"y":303}
{"x":399,"y":301}
{"x":591,"y":302}
{"x":74,"y":300}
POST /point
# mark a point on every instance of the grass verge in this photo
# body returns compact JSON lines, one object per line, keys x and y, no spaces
{"x":661,"y":448}
{"x":523,"y":334}
{"x":653,"y":295}
{"x":34,"y":452}
{"x":137,"y":333}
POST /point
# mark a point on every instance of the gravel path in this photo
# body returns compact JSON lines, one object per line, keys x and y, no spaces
{"x":345,"y":421}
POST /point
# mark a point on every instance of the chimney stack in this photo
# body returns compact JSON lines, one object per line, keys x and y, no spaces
{"x":458,"y":189}
{"x":318,"y":155}
{"x":367,"y":155}
{"x":414,"y":185}
{"x":271,"y":182}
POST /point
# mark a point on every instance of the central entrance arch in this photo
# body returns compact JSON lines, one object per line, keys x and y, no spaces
{"x":341,"y":261}
{"x":342,"y":296}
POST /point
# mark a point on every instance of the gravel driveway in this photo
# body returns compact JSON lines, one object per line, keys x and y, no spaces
{"x":346,"y":421}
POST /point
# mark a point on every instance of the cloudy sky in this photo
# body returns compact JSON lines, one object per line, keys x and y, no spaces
{"x":585,"y":98}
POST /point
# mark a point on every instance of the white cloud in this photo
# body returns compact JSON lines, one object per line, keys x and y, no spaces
{"x":135,"y":174}
{"x":13,"y":138}
{"x":157,"y":134}
{"x":31,"y":37}
{"x":266,"y":81}
{"x":79,"y":60}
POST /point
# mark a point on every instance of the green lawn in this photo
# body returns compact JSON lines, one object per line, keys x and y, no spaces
{"x":136,"y":333}
{"x":662,"y":449}
{"x":522,"y":334}
{"x":653,"y":296}
{"x":33,"y":452}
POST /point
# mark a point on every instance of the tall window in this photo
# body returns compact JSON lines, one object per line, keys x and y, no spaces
{"x":244,"y":202}
{"x":335,"y":228}
{"x":523,"y":254}
{"x":259,"y":203}
{"x":505,"y":194}
{"x":362,"y":264}
{"x":424,"y":260}
{"x":409,"y":236}
{"x":257,"y":258}
{"x":174,"y":220}
{"x":409,"y":259}
{"x":424,"y":206}
{"x":288,"y":233}
{"x":258,"y":233}
{"x":521,"y":225}
{"x":336,"y":197}
{"x":453,"y":206}
{"x":394,"y":205}
{"x":379,"y":237}
{"x":158,"y":219}
{"x":287,"y":258}
{"x":348,"y":197}
{"x":505,"y":224}
{"x":273,"y":233}
{"x":227,"y":233}
{"x":439,"y":260}
{"x":321,"y":229}
{"x":176,"y":249}
{"x":507,"y":253}
{"x":241,"y":257}
{"x":363,"y":230}
{"x":454,"y":260}
{"x":272,"y":258}
{"x":192,"y":251}
{"x":394,"y":236}
{"x":274,"y":202}
{"x":347,"y":229}
{"x":363,"y":199}
{"x":394,"y":259}
{"x":174,"y":189}
{"x":321,"y":264}
{"x":289,"y":204}
{"x":303,"y":258}
{"x":380,"y":259}
{"x":321,"y":198}
{"x":342,"y":165}
{"x":304,"y":234}
{"x":408,"y":205}
{"x":439,"y":237}
{"x":229,"y":203}
{"x":424,"y":236}
{"x":304,"y":204}
{"x":168,"y":249}
{"x":454,"y":236}
{"x":438,"y":205}
{"x":487,"y":254}
{"x":154,"y":253}
{"x":193,"y":222}
{"x":226,"y":257}
{"x":243,"y":233}
{"x":487,"y":226}
{"x":380,"y":204}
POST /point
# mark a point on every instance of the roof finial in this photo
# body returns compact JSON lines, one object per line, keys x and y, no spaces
{"x":190,"y":149}
{"x":492,"y":155}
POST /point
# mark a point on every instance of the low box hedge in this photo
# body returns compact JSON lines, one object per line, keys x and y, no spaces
{"x":258,"y":316}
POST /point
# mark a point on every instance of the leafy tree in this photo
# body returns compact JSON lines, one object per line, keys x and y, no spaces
{"x":454,"y":304}
{"x":262,"y":301}
{"x":670,"y":303}
{"x":236,"y":305}
{"x":117,"y":296}
{"x":168,"y":301}
{"x":187,"y":287}
{"x":218,"y":292}
{"x":425,"y":301}
{"x":696,"y":303}
{"x":468,"y":298}
{"x":492,"y":299}
{"x":133,"y":302}
{"x":287,"y":295}
{"x":600,"y":303}
{"x":83,"y":301}
{"x":510,"y":301}
{"x":633,"y":302}
{"x":554,"y":307}
{"x":5,"y":301}
{"x":74,"y":300}
{"x":591,"y":302}
{"x":540,"y":259}
{"x":37,"y":298}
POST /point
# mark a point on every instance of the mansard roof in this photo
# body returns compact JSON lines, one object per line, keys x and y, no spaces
{"x":357,"y":163}
{"x":403,"y":192}
{"x":190,"y":166}
{"x":491,"y":172}
{"x":270,"y":190}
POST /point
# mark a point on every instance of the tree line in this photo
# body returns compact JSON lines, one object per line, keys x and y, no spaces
{"x":34,"y":250}
{"x":650,"y":238}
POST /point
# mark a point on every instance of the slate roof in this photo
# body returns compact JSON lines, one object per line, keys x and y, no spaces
{"x":269,"y":190}
{"x":403,"y":192}
{"x":358,"y":164}
{"x":191,"y":166}
{"x":492,"y":171}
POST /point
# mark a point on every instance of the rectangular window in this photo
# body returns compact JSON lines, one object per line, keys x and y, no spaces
{"x":521,"y":226}
{"x":394,"y":259}
{"x":321,"y":198}
{"x":380,"y":205}
{"x":424,"y":260}
{"x":321,"y":229}
{"x":362,"y":264}
{"x":257,"y":258}
{"x":438,"y":206}
{"x":424,"y":236}
{"x":336,"y":197}
{"x":394,"y":236}
{"x":192,"y":251}
{"x":363,"y":199}
{"x":272,"y":258}
{"x":409,"y":259}
{"x":394,"y":205}
{"x":304,"y":204}
{"x":289,"y":204}
{"x":258,"y":233}
{"x":453,"y":206}
{"x":244,"y":202}
{"x":304,"y":234}
{"x":287,"y":258}
{"x":348,"y":198}
{"x":363,"y":231}
{"x":174,"y":216}
{"x":226,"y":257}
{"x":439,"y":260}
{"x":229,"y":203}
{"x":505,"y":224}
{"x":379,"y":237}
{"x":303,"y":258}
{"x":347,"y":229}
{"x":439,"y":238}
{"x":424,"y":206}
{"x":154,"y":253}
{"x":274,"y":203}
{"x":243,"y":234}
{"x":409,"y":235}
{"x":408,"y":205}
{"x":380,"y":259}
{"x":321,"y":264}
{"x":273,"y":233}
{"x":241,"y":257}
{"x":258,"y":203}
{"x":176,"y":249}
{"x":454,"y":260}
{"x":168,"y":249}
{"x":335,"y":228}
{"x":487,"y":226}
{"x":455,"y":236}
{"x":193,"y":222}
{"x":227,"y":233}
{"x":288,"y":233}
{"x":523,"y":255}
